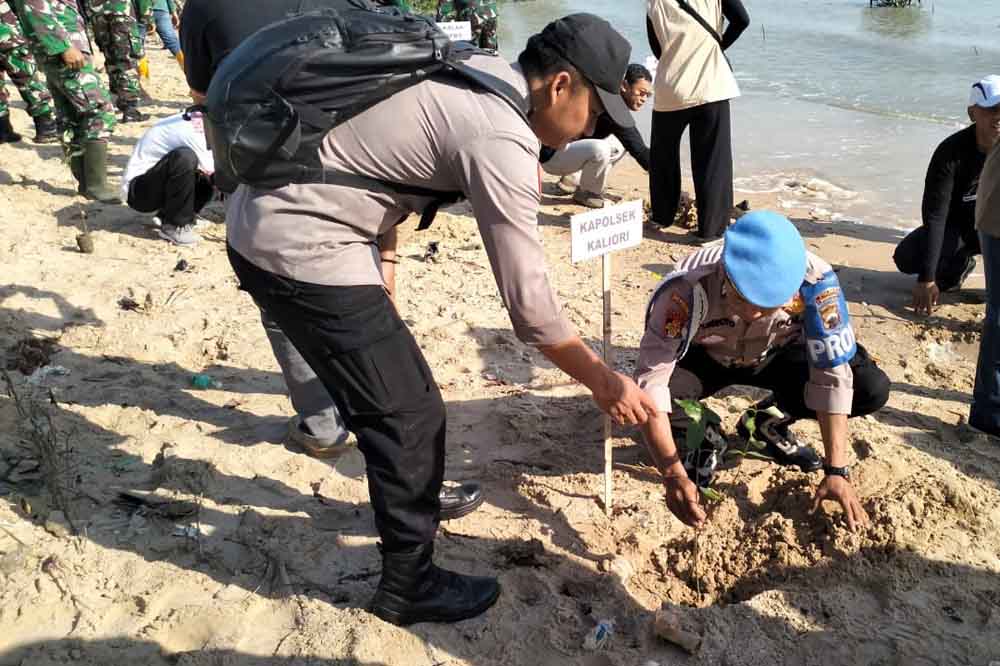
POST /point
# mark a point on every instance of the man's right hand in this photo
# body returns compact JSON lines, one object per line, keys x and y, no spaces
{"x":925,"y":297}
{"x":623,"y":400}
{"x":683,"y":500}
{"x":74,"y":58}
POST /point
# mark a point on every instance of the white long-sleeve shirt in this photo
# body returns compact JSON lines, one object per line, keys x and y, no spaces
{"x":164,"y":137}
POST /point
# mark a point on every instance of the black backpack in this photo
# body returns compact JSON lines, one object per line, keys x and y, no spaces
{"x":274,"y":97}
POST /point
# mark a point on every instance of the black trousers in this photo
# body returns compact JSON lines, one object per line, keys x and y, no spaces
{"x":173,"y":188}
{"x":786,"y":376}
{"x":956,"y":248}
{"x":361,"y":350}
{"x":711,"y":165}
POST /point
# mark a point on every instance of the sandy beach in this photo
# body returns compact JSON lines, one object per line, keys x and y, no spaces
{"x":235,"y":550}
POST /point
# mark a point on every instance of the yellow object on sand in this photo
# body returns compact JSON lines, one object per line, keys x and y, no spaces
{"x":180,"y":59}
{"x":144,"y":68}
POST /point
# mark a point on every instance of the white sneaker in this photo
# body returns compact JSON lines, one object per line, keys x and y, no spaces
{"x":568,"y":184}
{"x":179,"y":235}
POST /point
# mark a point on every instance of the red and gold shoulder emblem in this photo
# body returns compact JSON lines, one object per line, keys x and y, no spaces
{"x":795,"y":306}
{"x":677,"y":317}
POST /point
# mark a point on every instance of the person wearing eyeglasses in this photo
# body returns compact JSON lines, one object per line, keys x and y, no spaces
{"x":756,"y":309}
{"x":585,"y":164}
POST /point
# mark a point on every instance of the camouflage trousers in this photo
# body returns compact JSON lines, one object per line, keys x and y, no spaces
{"x":19,"y":64}
{"x":117,"y":35}
{"x":481,"y":14}
{"x":83,"y":106}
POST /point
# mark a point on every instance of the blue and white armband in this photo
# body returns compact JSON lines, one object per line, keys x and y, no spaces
{"x":829,"y":337}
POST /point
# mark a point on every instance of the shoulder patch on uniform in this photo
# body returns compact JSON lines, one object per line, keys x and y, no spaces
{"x":829,"y":337}
{"x":677,"y":316}
{"x":796,"y":306}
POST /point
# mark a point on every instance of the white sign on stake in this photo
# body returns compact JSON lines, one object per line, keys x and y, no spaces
{"x":607,"y":229}
{"x":598,"y":234}
{"x":457,"y":31}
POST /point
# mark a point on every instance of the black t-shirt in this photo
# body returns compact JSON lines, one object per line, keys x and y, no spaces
{"x":210,"y":29}
{"x":950,"y":193}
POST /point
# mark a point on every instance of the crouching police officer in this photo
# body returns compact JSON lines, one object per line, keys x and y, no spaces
{"x":757,"y":310}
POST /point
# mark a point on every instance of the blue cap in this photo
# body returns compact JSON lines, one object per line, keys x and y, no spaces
{"x":765,"y":258}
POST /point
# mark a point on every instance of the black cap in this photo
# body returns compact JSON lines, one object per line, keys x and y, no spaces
{"x":599,"y":53}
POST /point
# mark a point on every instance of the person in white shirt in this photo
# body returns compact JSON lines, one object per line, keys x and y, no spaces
{"x":170,"y":174}
{"x":692,"y":88}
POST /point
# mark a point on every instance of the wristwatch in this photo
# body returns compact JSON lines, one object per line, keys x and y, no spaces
{"x":830,"y":470}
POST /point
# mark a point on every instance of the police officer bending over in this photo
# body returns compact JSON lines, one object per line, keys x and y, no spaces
{"x":758,"y":310}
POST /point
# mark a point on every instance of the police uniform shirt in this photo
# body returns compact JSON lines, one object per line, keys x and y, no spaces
{"x":443,"y":135}
{"x":689,"y":308}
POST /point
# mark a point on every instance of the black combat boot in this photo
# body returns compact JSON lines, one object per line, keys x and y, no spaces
{"x":46,"y":130}
{"x":765,"y":427}
{"x":132,"y":114}
{"x":95,"y":173}
{"x":7,"y":133}
{"x":413,"y":589}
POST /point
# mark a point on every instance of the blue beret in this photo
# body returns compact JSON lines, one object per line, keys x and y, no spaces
{"x":765,"y":258}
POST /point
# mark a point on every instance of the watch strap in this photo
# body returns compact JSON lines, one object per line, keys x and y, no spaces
{"x":831,"y":470}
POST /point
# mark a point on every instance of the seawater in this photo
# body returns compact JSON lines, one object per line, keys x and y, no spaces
{"x":842,"y":104}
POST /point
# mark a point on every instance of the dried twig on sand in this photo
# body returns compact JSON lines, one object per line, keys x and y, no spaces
{"x":51,"y":447}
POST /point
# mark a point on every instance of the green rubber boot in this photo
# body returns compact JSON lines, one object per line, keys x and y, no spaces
{"x":95,"y":173}
{"x":76,"y":167}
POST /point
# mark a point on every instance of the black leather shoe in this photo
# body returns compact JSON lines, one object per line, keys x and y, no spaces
{"x":46,"y":130}
{"x":413,"y":589}
{"x":460,"y":500}
{"x":955,"y":283}
{"x":779,"y":443}
{"x":7,"y":133}
{"x":132,"y":114}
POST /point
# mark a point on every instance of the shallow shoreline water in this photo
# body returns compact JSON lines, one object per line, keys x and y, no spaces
{"x":833,"y":90}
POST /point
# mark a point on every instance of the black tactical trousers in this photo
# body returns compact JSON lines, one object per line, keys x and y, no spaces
{"x":956,"y":249}
{"x":173,"y":188}
{"x":786,"y":376}
{"x":361,"y":350}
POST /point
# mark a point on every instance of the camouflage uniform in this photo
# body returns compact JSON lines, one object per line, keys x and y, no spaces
{"x":482,"y":14}
{"x":83,"y":105}
{"x":19,"y":64}
{"x":119,"y":36}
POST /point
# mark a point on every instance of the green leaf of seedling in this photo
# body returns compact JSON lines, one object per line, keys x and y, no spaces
{"x":751,"y":426}
{"x":694,"y":436}
{"x":774,"y":411}
{"x":710,"y":494}
{"x":692,"y":408}
{"x":712,"y":416}
{"x":750,"y":454}
{"x":751,"y":422}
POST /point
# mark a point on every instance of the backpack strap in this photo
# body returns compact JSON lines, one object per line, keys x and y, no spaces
{"x":438,"y":197}
{"x":493,"y":84}
{"x":454,"y":62}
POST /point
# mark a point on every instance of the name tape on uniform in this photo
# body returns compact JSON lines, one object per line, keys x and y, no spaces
{"x":457,"y":31}
{"x":608,"y":229}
